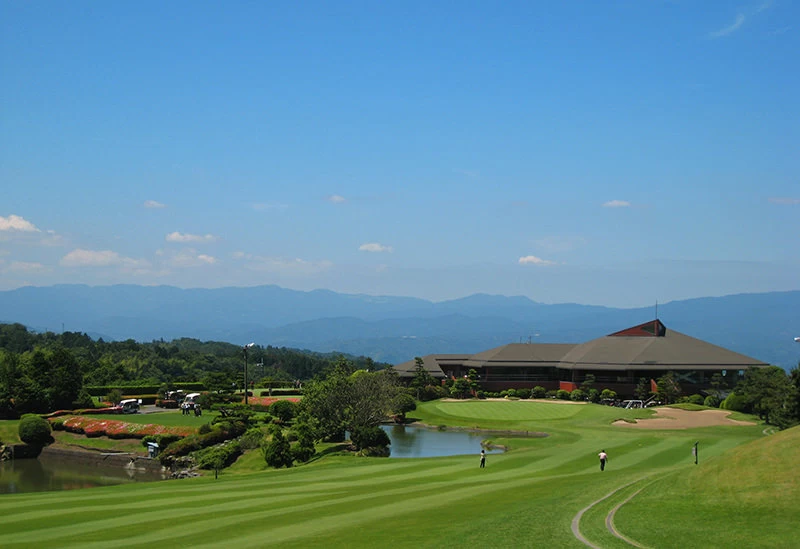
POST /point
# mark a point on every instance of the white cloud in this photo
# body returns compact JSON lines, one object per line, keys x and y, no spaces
{"x":102,"y":258}
{"x":154,"y":204}
{"x":181,"y":237}
{"x":26,"y":267}
{"x":617,"y":204}
{"x":533,"y":260}
{"x":336,"y":199}
{"x":190,"y":258}
{"x":374,"y":247}
{"x":764,"y":6}
{"x":730,"y":29}
{"x":17,"y":223}
{"x":784,"y":200}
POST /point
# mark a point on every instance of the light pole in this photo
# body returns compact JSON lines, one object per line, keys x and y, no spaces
{"x":245,"y":370}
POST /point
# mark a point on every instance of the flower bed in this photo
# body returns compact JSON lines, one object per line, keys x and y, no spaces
{"x":118,"y":429}
{"x":268,"y":401}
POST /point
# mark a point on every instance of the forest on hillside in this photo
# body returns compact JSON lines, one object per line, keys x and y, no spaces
{"x":47,"y":371}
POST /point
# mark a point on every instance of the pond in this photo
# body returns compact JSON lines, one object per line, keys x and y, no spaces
{"x":43,"y":475}
{"x":50,"y":474}
{"x":418,"y":442}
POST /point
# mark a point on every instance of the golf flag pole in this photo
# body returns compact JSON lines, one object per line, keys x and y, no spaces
{"x":694,"y":451}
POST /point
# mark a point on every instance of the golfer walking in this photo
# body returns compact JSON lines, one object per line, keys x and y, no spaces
{"x":483,"y":459}
{"x":603,"y":458}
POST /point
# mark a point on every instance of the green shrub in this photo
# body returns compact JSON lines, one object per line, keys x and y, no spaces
{"x":711,"y":401}
{"x":251,"y":439}
{"x":57,"y":424}
{"x":432,"y":392}
{"x":695,"y":399}
{"x":34,"y":430}
{"x":593,"y":395}
{"x":735,"y":403}
{"x":221,"y":432}
{"x":369,"y":437}
{"x":277,"y":452}
{"x":204,"y":429}
{"x":114,"y":396}
{"x":303,"y":453}
{"x":538,"y":392}
{"x":608,"y":394}
{"x":578,"y":395}
{"x":285,"y":410}
{"x":401,"y":405}
{"x":561,"y":394}
{"x":84,"y":400}
{"x":219,"y":456}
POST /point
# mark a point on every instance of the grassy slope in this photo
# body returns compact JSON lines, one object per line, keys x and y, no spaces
{"x":526,"y":497}
{"x":753,"y":488}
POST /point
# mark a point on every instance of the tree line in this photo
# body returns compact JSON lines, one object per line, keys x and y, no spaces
{"x":41,"y":372}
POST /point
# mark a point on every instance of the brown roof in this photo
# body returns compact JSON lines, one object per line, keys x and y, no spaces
{"x":649,"y":346}
{"x":432,"y":363}
{"x":520,"y":354}
{"x":672,"y":351}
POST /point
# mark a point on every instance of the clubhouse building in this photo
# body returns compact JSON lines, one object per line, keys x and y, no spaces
{"x":618,"y":362}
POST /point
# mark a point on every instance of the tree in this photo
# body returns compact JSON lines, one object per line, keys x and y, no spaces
{"x":284,"y":410}
{"x":401,"y":405}
{"x":66,"y":380}
{"x":422,"y":378}
{"x":114,"y":396}
{"x":642,"y":390}
{"x":461,"y":388}
{"x":277,"y":452}
{"x":588,"y":381}
{"x":369,"y":437}
{"x":771,"y":394}
{"x":347,"y":399}
{"x":667,"y":388}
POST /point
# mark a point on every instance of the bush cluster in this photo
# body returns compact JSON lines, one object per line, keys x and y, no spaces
{"x":34,"y":430}
{"x":219,"y":433}
{"x":369,"y":437}
{"x":734,"y":403}
{"x":219,"y":456}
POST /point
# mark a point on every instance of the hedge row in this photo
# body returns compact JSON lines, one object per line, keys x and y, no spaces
{"x":103,"y":390}
{"x":146,"y":399}
{"x":221,"y":432}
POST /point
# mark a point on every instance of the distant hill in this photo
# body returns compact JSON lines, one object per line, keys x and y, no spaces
{"x":391,"y":329}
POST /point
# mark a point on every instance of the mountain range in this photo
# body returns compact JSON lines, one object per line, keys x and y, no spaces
{"x":392,"y":329}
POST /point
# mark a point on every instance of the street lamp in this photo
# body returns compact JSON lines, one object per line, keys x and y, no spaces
{"x":245,"y":370}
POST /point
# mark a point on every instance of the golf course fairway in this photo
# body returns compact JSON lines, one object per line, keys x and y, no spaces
{"x":544,"y":492}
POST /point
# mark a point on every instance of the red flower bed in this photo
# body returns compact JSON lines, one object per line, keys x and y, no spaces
{"x":119,"y":429}
{"x":268,"y":401}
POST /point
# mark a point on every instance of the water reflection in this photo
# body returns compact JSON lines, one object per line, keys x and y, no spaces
{"x":43,"y":475}
{"x":417,"y":442}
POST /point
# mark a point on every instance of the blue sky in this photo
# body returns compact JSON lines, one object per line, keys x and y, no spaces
{"x":615,"y":153}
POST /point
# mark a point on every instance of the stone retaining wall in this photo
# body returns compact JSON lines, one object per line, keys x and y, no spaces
{"x":106,"y":459}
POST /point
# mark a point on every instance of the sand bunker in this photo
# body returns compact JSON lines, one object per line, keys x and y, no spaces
{"x":675,"y":418}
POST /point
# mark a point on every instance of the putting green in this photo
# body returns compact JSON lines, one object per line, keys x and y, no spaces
{"x":513,"y":410}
